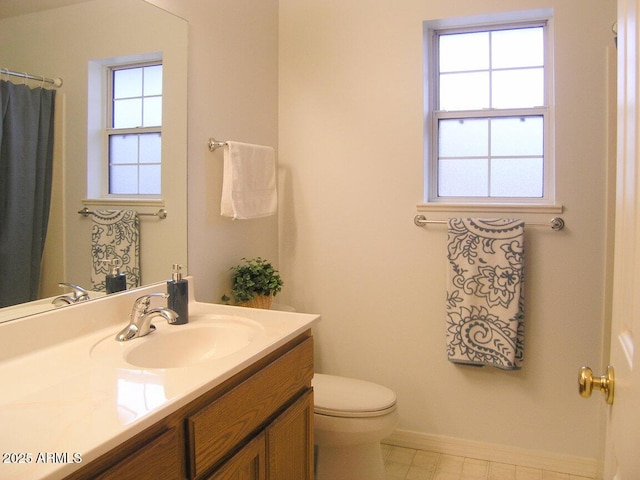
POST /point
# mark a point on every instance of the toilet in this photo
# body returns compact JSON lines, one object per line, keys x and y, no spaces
{"x":351,"y":417}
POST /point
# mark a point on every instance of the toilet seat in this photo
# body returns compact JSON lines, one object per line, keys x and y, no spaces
{"x":351,"y":398}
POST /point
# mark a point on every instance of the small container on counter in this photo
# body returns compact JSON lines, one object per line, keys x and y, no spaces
{"x":115,"y":280}
{"x":178,"y":290}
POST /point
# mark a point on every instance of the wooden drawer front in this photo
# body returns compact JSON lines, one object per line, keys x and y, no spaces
{"x":159,"y":459}
{"x":219,"y":427}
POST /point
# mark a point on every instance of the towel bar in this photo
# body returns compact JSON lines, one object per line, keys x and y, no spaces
{"x":161,"y":214}
{"x":556,"y":223}
{"x":215,"y":144}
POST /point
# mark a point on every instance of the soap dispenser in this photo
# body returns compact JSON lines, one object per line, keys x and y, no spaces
{"x":115,"y":280}
{"x":178,"y":290}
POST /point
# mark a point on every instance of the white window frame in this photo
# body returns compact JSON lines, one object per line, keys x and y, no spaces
{"x":111,"y":131}
{"x":98,"y":118}
{"x":483,"y":23}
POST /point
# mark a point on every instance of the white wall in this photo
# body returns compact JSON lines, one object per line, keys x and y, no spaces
{"x":233,"y":95}
{"x":351,"y":131}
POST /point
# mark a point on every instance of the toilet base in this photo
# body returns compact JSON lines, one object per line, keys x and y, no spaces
{"x":353,"y":462}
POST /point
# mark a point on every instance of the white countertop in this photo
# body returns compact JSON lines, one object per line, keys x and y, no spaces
{"x":60,"y":408}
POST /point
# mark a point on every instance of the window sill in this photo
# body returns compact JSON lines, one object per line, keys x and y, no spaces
{"x":142,"y":202}
{"x":489,"y":208}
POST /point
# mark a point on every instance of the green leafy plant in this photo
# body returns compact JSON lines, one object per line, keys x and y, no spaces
{"x":254,"y":277}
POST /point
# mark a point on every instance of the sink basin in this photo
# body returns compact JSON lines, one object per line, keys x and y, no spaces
{"x":204,"y":338}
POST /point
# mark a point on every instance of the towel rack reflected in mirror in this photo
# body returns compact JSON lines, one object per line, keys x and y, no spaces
{"x":161,"y":214}
{"x":556,"y":223}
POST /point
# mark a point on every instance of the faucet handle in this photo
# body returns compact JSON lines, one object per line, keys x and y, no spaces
{"x":79,"y":293}
{"x":142,"y":303}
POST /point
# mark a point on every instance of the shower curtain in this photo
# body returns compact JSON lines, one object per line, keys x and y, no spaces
{"x":26,"y":164}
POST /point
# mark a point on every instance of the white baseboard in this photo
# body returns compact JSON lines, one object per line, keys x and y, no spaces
{"x":572,"y":465}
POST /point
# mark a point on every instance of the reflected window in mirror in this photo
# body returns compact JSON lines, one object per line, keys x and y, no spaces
{"x":134,"y":132}
{"x":124,"y":144}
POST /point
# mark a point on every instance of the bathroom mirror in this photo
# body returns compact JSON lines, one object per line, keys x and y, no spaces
{"x":63,"y":42}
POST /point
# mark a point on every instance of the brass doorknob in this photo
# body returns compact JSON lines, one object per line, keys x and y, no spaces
{"x":587,"y":382}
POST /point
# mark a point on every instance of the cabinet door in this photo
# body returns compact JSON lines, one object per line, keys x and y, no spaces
{"x":290,"y":442}
{"x":247,"y":464}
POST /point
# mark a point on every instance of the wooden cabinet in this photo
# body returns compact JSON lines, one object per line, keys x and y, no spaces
{"x":258,"y":425}
{"x":281,"y":452}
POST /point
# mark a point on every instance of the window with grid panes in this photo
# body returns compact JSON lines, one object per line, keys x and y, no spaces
{"x":488,"y":114}
{"x":135,"y":129}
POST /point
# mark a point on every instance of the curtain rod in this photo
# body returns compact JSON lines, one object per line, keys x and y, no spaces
{"x":56,"y":82}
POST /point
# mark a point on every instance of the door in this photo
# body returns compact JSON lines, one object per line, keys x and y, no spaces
{"x":623,"y":417}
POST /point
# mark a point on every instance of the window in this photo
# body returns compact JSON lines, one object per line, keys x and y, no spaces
{"x":134,"y":129}
{"x":488,"y":122}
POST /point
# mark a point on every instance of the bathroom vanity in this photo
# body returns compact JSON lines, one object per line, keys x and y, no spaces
{"x":76,"y":406}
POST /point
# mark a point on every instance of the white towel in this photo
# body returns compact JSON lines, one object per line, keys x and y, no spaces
{"x":249,"y":181}
{"x":485,"y":320}
{"x":115,"y":234}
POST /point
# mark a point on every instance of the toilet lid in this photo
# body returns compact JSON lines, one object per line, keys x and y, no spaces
{"x":347,"y":397}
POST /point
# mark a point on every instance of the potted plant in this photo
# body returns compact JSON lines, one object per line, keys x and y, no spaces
{"x":254,"y":283}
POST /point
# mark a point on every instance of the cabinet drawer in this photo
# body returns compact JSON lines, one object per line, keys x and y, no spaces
{"x":159,"y":459}
{"x":219,"y":427}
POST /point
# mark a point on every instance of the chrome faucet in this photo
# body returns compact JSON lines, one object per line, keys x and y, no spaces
{"x":140,"y":318}
{"x":77,"y":295}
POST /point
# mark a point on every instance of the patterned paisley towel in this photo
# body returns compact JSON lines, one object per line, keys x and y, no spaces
{"x":115,"y":234}
{"x":484,"y":292}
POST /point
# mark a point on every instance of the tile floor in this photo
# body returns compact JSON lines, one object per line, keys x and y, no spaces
{"x":407,"y":464}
